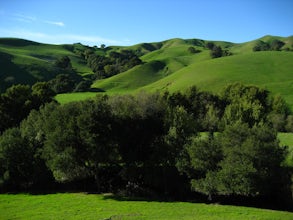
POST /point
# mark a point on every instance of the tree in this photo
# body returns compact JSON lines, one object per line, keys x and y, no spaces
{"x":252,"y":156}
{"x":42,"y":93}
{"x":241,"y":161}
{"x":261,"y":46}
{"x":210,"y":45}
{"x":63,"y":149}
{"x":248,"y":104}
{"x":15,"y":105}
{"x":277,"y":44}
{"x":199,"y":160}
{"x":64,"y":63}
{"x":216,"y":52}
{"x":62,"y":83}
{"x":83,"y":86}
{"x":97,"y":139}
{"x":193,"y":50}
{"x":16,"y":159}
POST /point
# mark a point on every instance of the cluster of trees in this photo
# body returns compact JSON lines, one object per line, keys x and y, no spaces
{"x":68,"y":80}
{"x":105,"y":66}
{"x":152,"y":143}
{"x":193,"y":50}
{"x":275,"y":45}
{"x":217,"y":51}
{"x":18,"y":100}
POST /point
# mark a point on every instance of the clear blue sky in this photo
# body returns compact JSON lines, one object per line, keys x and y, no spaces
{"x":128,"y":22}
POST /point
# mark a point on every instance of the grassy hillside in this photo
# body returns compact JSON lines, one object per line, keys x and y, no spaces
{"x":82,"y":206}
{"x":26,"y":62}
{"x":166,"y":65}
{"x":180,"y":69}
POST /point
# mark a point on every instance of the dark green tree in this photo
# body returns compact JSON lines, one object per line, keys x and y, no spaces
{"x":15,"y":105}
{"x":276,"y":45}
{"x":210,"y":45}
{"x":216,"y":52}
{"x":63,"y":150}
{"x":199,"y":160}
{"x":62,"y":83}
{"x":252,"y":159}
{"x":16,"y":159}
{"x":42,"y":93}
{"x":98,"y":142}
{"x":261,"y":46}
{"x":240,"y":161}
{"x":193,"y":50}
{"x":64,"y":63}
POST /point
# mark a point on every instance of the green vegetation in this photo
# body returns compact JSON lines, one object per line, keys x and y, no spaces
{"x":27,"y":62}
{"x":82,"y":206}
{"x":166,"y":65}
{"x":75,"y":96}
{"x":286,"y":139}
{"x":89,"y":141}
{"x":142,"y":132}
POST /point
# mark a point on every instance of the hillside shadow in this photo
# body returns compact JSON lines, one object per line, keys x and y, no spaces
{"x":12,"y":73}
{"x":17,"y":42}
{"x":96,"y":90}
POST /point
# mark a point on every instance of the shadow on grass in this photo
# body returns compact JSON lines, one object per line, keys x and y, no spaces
{"x":262,"y":203}
{"x":117,"y":197}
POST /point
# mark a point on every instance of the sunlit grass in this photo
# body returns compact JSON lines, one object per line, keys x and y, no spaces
{"x":75,"y":96}
{"x":82,"y":206}
{"x":286,"y":139}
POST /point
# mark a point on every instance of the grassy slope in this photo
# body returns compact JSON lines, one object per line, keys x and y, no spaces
{"x":270,"y":69}
{"x":172,"y":56}
{"x":76,"y":96}
{"x":167,"y":64}
{"x":28,"y":62}
{"x":81,"y":206}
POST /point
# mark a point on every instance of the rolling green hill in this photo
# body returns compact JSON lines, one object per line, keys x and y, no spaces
{"x":179,"y":69}
{"x":166,"y":65}
{"x":27,"y":62}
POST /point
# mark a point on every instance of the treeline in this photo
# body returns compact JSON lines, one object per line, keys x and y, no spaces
{"x":153,"y":144}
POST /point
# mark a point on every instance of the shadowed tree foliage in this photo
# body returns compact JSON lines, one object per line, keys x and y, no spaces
{"x":216,"y":52}
{"x":240,"y":161}
{"x":139,"y":144}
{"x":18,"y":100}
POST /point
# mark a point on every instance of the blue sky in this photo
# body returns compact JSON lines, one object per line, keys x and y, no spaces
{"x":128,"y":22}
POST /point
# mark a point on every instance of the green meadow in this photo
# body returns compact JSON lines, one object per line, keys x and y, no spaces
{"x":83,"y":206}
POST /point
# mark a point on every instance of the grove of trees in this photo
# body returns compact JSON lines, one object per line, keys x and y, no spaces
{"x":106,"y":66}
{"x":169,"y":144}
{"x":275,"y":45}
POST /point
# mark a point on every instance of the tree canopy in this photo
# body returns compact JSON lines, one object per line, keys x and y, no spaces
{"x":211,"y":144}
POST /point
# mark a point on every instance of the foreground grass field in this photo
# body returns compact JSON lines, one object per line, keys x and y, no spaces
{"x":82,"y":206}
